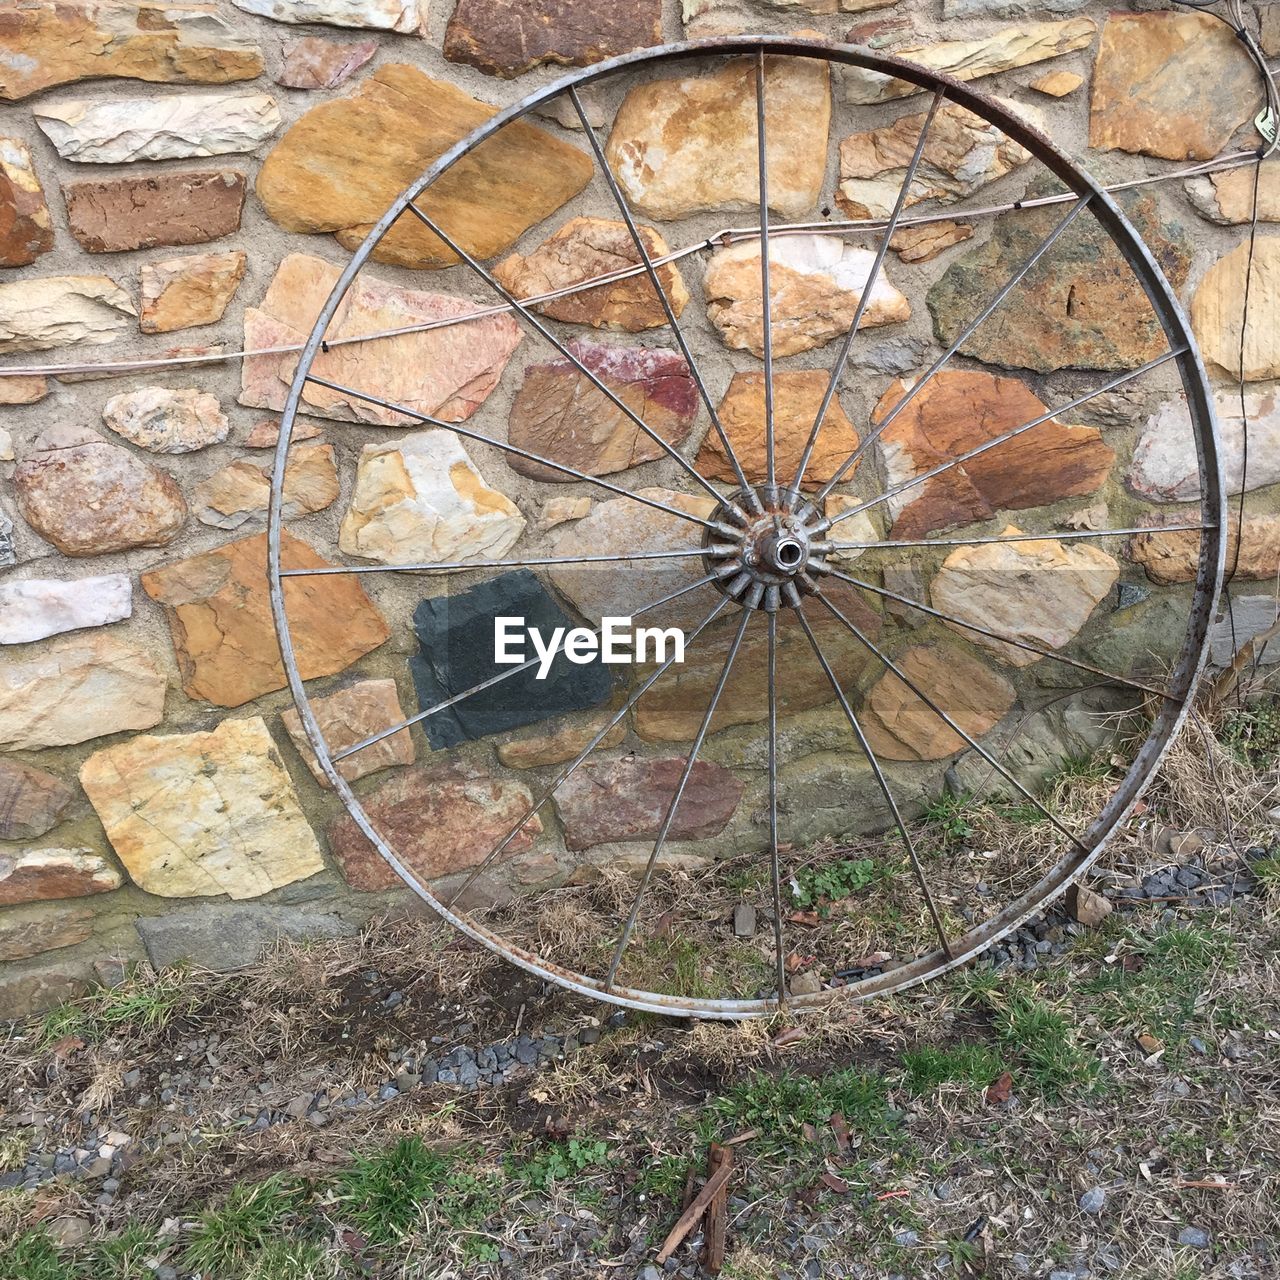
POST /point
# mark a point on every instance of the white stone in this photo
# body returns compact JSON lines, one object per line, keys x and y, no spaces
{"x":56,"y":311}
{"x":405,"y":16}
{"x":419,"y":499}
{"x":41,"y":607}
{"x":116,"y":131}
{"x":6,"y":446}
{"x":163,"y":420}
{"x":857,"y":528}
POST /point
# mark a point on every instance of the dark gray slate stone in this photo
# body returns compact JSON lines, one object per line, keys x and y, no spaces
{"x":228,"y":936}
{"x":456,"y":638}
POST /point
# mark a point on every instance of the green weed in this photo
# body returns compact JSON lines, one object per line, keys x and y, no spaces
{"x":33,"y":1257}
{"x":250,"y":1217}
{"x":949,"y":818}
{"x":382,"y":1193}
{"x":125,"y":1257}
{"x":1252,"y":733}
{"x":930,"y":1066}
{"x":292,"y":1260}
{"x":559,"y":1161}
{"x":780,"y":1106}
{"x":1044,"y":1042}
{"x":822,"y":885}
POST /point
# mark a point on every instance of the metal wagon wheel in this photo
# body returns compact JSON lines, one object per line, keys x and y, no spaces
{"x":766,"y":545}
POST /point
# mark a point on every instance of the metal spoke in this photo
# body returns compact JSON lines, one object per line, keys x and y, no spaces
{"x":837,"y":371}
{"x":647,"y":262}
{"x":775,"y":869}
{"x":564,"y":774}
{"x":1003,"y":292}
{"x":537,"y":562}
{"x":676,"y":797}
{"x":766,"y":301}
{"x":530,"y":318}
{"x":886,"y":594}
{"x":881,"y":781}
{"x":429,"y":421}
{"x":827,"y":547}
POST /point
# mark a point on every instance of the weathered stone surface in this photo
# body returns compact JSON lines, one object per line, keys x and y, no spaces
{"x":266,"y":435}
{"x":1087,"y":907}
{"x":1009,"y":8}
{"x":970,"y":59}
{"x":241,"y":491}
{"x":560,"y":510}
{"x":1039,"y":593}
{"x":120,"y":130}
{"x":31,"y":803}
{"x":1173,"y":556}
{"x":622,"y":526}
{"x":23,"y":390}
{"x":688,"y":145}
{"x":222,"y":936}
{"x":341,"y":165}
{"x":797,"y":397}
{"x":219,"y":613}
{"x":1165,"y":467}
{"x":1172,"y":84}
{"x":925,"y":242}
{"x":404,"y":16}
{"x":77,"y":688}
{"x":25,"y":229}
{"x":733,"y":17}
{"x":457,"y":636}
{"x":45,"y":43}
{"x":1227,"y":197}
{"x":349,"y":716}
{"x":311,"y":62}
{"x":437,"y":820}
{"x":560,"y":414}
{"x":182,"y":293}
{"x":583,"y":249}
{"x":34,"y":931}
{"x":959,"y":410}
{"x":559,"y":741}
{"x":608,"y":801}
{"x":1079,"y":306}
{"x":962,"y":153}
{"x":672,"y":710}
{"x":162,"y":420}
{"x":507,"y":37}
{"x":899,"y":726}
{"x":419,"y":499}
{"x":111,"y":215}
{"x":446,"y":372}
{"x":33,"y":988}
{"x":42,"y":875}
{"x":90,"y":498}
{"x":1248,"y":618}
{"x":1217,"y":311}
{"x":197,"y":814}
{"x":815,"y":283}
{"x":1057,"y":84}
{"x":41,"y":607}
{"x":855,"y":528}
{"x":58,"y":311}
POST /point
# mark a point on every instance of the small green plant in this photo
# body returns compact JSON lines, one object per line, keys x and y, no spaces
{"x":664,"y":1178}
{"x":929,"y":1066}
{"x":1267,"y":871}
{"x":949,"y":817}
{"x":822,"y":885}
{"x":251,"y":1216}
{"x":1252,"y":733}
{"x":125,"y":1257}
{"x":781,"y":1105}
{"x":382,"y":1193}
{"x":291,"y":1260}
{"x":558,"y":1161}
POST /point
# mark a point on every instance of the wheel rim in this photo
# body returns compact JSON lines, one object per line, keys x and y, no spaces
{"x":763,"y":544}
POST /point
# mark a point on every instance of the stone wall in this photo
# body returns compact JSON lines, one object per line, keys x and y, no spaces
{"x":169,"y":179}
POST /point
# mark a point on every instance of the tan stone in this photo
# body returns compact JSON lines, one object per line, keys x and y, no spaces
{"x":1057,"y":84}
{"x":23,"y":390}
{"x":183,"y":293}
{"x":404,"y":16}
{"x":75,"y":688}
{"x":349,"y":716}
{"x":58,"y":311}
{"x":734,"y":17}
{"x":43,"y":875}
{"x":688,"y":145}
{"x":1228,"y":197}
{"x":165,"y":420}
{"x":797,"y":397}
{"x":858,"y":527}
{"x":959,"y":410}
{"x":557,"y":741}
{"x":970,"y":59}
{"x":1039,"y":593}
{"x":446,"y":372}
{"x":1217,"y":311}
{"x":583,"y":249}
{"x":198,"y":814}
{"x":33,"y":931}
{"x":219,"y":613}
{"x":241,"y":491}
{"x":1172,"y":84}
{"x":25,"y":229}
{"x":899,"y":726}
{"x":45,"y":43}
{"x":815,"y":284}
{"x":266,"y":435}
{"x":1087,"y":907}
{"x":1174,"y":556}
{"x":924,"y":243}
{"x":561,"y":510}
{"x":341,"y":166}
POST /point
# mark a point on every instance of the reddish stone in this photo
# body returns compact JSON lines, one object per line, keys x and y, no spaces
{"x":311,"y":62}
{"x":33,"y":932}
{"x":43,"y":875}
{"x":1174,"y":556}
{"x":25,"y":229}
{"x":31,"y":801}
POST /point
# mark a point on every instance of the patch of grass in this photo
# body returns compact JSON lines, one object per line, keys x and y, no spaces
{"x":124,"y":1257}
{"x":557,"y":1162}
{"x":929,"y":1066}
{"x":252,"y":1215}
{"x":1044,"y":1042}
{"x":781,"y":1105}
{"x":1252,"y":733}
{"x":291,"y":1260}
{"x":145,"y":1001}
{"x":949,"y":818}
{"x":382,"y":1193}
{"x":33,"y":1257}
{"x":821,"y":885}
{"x":1267,"y":871}
{"x":664,"y":1177}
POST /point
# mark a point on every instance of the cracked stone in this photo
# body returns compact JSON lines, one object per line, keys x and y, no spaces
{"x":183,"y":293}
{"x":39,"y":313}
{"x":25,"y":229}
{"x":31,"y":803}
{"x":349,"y":716}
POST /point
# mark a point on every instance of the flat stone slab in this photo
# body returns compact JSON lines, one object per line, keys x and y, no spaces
{"x":223,"y":937}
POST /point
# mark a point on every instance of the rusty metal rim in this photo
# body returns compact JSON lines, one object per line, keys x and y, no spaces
{"x":1169,"y":718}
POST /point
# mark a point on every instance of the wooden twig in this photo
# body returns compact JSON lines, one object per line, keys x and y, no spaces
{"x":693,"y":1214}
{"x":718,"y":1212}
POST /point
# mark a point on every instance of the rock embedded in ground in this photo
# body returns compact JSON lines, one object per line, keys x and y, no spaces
{"x":197,"y":814}
{"x":1194,"y":1238}
{"x":1228,"y":197}
{"x":31,"y":803}
{"x":183,"y":293}
{"x":797,"y":397}
{"x":333,"y":171}
{"x":241,"y":491}
{"x":46,"y":43}
{"x":351,"y":715}
{"x":1057,"y":84}
{"x":899,"y":726}
{"x":1173,"y":556}
{"x":446,"y":372}
{"x":438,"y":820}
{"x":194,"y":206}
{"x":222,"y":936}
{"x":403,"y":16}
{"x":76,"y":688}
{"x":924,"y":243}
{"x":805,"y":984}
{"x":1172,"y":84}
{"x":224,"y":638}
{"x":312,"y":62}
{"x":960,"y":410}
{"x":162,"y":420}
{"x":712,"y":167}
{"x":25,"y":229}
{"x":509,"y":37}
{"x":559,"y":413}
{"x":815,"y":284}
{"x":42,"y":312}
{"x":610,"y":801}
{"x":1217,"y":314}
{"x":419,"y":499}
{"x":1087,"y":907}
{"x":92,"y":498}
{"x":556,"y":511}
{"x":1039,"y":593}
{"x":583,"y":249}
{"x":36,"y":608}
{"x":32,"y":932}
{"x":45,"y":875}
